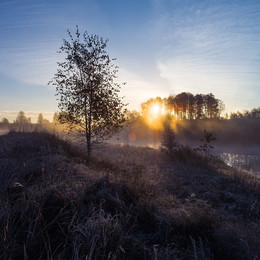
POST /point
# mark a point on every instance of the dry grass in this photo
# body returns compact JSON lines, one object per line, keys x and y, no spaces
{"x":128,"y":203}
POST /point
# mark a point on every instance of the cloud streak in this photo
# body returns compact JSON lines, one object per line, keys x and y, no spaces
{"x":138,"y":88}
{"x":212,"y":48}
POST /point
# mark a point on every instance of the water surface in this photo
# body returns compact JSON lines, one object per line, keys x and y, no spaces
{"x":247,"y":162}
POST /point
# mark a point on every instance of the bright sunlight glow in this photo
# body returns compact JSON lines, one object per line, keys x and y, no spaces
{"x":163,"y":110}
{"x":153,"y":118}
{"x":155,"y":109}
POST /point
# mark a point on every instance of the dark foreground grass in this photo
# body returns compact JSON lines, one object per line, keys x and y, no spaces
{"x":128,"y":203}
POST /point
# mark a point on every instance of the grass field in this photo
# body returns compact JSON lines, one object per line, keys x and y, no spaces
{"x":127,"y":203}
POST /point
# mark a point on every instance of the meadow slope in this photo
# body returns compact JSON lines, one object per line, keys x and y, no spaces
{"x":127,"y":203}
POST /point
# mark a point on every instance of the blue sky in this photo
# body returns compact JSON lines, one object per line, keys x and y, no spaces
{"x":162,"y":47}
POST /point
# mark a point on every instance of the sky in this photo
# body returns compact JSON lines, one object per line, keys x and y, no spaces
{"x":162,"y":47}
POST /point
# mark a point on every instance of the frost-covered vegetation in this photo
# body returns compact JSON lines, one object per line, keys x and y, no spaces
{"x":127,"y":203}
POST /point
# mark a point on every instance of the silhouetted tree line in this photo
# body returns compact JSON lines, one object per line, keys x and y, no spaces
{"x":5,"y":121}
{"x":22,"y":119}
{"x":254,"y":113}
{"x":187,"y":106}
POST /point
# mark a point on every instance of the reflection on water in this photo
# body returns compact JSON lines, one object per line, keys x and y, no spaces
{"x":249,"y":163}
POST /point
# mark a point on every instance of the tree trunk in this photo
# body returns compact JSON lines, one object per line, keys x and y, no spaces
{"x":89,"y":148}
{"x":89,"y":133}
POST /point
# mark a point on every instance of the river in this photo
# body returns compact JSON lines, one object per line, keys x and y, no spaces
{"x":244,"y":158}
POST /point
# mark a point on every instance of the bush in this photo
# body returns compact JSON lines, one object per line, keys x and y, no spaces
{"x":206,"y":147}
{"x":168,"y":143}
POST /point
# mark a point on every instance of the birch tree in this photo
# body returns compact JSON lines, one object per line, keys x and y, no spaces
{"x":87,"y":90}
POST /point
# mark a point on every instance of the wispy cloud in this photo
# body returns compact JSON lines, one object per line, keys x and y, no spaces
{"x":203,"y":79}
{"x":138,"y":88}
{"x":29,"y":40}
{"x":211,"y":48}
{"x":30,"y":65}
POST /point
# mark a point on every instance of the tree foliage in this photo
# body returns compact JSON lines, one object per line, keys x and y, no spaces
{"x":88,"y":92}
{"x":55,"y":118}
{"x":168,"y":142}
{"x":145,"y":106}
{"x":22,"y":119}
{"x":5,"y":121}
{"x":188,"y":106}
{"x":40,"y":119}
{"x":254,"y":113}
{"x":206,"y":146}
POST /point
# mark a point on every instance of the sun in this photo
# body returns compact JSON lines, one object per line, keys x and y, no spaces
{"x":155,"y":109}
{"x":155,"y":115}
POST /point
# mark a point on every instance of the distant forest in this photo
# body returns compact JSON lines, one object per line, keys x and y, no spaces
{"x":189,"y":106}
{"x":183,"y":106}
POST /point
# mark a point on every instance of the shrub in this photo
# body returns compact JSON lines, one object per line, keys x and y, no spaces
{"x":168,"y":143}
{"x":206,"y":147}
